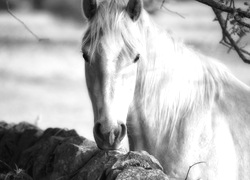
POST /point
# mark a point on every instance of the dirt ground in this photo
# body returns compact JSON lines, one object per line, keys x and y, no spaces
{"x":43,"y":82}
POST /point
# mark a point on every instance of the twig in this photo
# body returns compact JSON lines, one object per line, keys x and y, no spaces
{"x":228,"y":14}
{"x":242,"y":23}
{"x":6,"y":165}
{"x":231,"y":47}
{"x":162,"y":3}
{"x":25,"y":26}
{"x":224,"y":8}
{"x":162,"y":6}
{"x":246,"y":52}
{"x":225,"y":44}
{"x":173,"y":12}
{"x":193,"y":166}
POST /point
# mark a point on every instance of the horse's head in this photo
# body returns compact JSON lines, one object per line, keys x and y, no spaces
{"x":111,"y":47}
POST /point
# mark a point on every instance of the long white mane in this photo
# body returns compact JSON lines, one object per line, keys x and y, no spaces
{"x":175,"y":82}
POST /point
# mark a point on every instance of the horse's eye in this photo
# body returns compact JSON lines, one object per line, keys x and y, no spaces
{"x":137,"y":58}
{"x":86,"y":57}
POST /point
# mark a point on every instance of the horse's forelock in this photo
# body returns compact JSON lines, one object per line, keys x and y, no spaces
{"x":112,"y":20}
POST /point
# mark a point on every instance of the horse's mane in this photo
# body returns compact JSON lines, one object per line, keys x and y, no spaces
{"x":176,"y":83}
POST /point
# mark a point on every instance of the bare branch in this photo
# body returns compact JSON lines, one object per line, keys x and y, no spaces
{"x":227,"y":37}
{"x":241,"y":22}
{"x":234,"y":27}
{"x":24,"y":25}
{"x":238,"y":25}
{"x":224,"y":8}
{"x":162,"y":6}
{"x":193,"y":166}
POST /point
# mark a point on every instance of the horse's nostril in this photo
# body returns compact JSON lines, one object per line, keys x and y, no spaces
{"x":97,"y":130}
{"x":123,"y":131}
{"x":110,"y":139}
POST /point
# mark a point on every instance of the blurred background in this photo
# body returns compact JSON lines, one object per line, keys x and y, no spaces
{"x":42,"y":82}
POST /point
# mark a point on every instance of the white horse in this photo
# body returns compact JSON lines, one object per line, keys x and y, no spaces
{"x":165,"y":98}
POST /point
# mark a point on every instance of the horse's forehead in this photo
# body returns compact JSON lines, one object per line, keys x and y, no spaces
{"x":112,"y":45}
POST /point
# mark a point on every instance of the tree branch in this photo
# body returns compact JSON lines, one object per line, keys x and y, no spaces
{"x":225,"y":8}
{"x":235,"y":25}
{"x":24,"y":25}
{"x":241,"y":22}
{"x":239,"y":26}
{"x":227,"y":37}
{"x":163,"y":6}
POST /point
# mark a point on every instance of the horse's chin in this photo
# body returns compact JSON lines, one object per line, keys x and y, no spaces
{"x":106,"y":146}
{"x":115,"y":147}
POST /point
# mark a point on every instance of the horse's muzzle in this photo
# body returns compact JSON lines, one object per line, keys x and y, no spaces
{"x":110,"y":140}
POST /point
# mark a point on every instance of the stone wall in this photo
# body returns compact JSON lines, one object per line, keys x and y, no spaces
{"x":27,"y":152}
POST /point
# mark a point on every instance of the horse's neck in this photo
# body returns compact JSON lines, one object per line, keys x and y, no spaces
{"x":173,"y":84}
{"x":180,"y":98}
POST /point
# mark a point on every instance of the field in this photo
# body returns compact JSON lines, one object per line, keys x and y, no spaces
{"x":43,"y":82}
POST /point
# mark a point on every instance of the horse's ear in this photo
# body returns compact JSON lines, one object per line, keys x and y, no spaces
{"x":134,"y":9}
{"x":89,"y":8}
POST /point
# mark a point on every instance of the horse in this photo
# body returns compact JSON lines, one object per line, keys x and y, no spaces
{"x":152,"y":92}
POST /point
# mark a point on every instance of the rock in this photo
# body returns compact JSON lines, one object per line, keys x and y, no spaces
{"x":14,"y":139}
{"x":63,"y":154}
{"x":116,"y":165}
